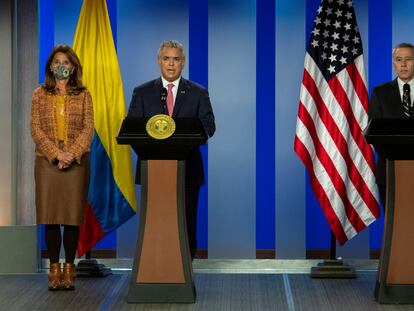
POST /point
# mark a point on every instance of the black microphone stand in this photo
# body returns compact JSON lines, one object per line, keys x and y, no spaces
{"x":164,"y":94}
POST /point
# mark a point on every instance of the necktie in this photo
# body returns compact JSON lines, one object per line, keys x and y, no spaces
{"x":408,"y":111}
{"x":170,"y":99}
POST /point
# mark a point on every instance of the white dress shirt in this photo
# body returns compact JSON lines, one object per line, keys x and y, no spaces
{"x":401,"y":85}
{"x":174,"y":89}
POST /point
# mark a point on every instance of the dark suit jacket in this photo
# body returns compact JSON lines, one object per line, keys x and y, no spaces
{"x":385,"y":104}
{"x":192,"y":101}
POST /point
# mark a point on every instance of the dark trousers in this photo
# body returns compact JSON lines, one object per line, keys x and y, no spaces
{"x":191,"y":207}
{"x":54,"y":241}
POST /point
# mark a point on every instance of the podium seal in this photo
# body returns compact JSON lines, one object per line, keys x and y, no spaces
{"x":160,"y":126}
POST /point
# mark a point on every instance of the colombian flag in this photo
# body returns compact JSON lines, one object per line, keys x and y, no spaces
{"x":111,"y":199}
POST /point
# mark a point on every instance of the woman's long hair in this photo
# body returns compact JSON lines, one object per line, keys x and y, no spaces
{"x":75,"y":85}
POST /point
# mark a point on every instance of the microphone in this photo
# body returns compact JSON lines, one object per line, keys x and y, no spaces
{"x":164,"y":93}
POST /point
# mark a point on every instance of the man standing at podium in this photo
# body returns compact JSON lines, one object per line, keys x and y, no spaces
{"x":394,"y":100}
{"x":184,"y":99}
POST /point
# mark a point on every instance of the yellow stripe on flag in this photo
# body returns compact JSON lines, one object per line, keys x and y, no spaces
{"x":95,"y":48}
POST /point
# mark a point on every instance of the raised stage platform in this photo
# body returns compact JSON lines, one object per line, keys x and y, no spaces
{"x":221,"y":285}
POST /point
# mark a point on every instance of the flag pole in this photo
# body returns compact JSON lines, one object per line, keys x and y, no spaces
{"x":333,"y":268}
{"x":111,"y":164}
{"x":333,"y":247}
{"x":329,"y":139}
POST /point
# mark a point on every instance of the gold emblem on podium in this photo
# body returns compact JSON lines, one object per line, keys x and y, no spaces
{"x":160,"y":126}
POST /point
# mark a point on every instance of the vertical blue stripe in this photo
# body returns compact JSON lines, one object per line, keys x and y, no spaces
{"x":265,"y":124}
{"x":46,"y":42}
{"x":198,"y":41}
{"x":290,"y":175}
{"x":380,"y":42}
{"x":46,"y":34}
{"x":317,"y":228}
{"x":141,"y":26}
{"x":65,"y":20}
{"x":198,"y":72}
{"x":379,"y":70}
{"x":111,"y":5}
{"x":311,"y":13}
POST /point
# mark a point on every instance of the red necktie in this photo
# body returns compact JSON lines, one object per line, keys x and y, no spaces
{"x":170,"y":99}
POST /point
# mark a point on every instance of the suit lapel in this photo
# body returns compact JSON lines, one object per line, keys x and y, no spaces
{"x":157,"y":85}
{"x":396,"y":100}
{"x":156,"y":97}
{"x":181,"y":96}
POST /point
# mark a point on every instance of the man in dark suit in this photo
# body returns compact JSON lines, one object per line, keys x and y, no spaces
{"x":394,"y":100}
{"x":185,"y":99}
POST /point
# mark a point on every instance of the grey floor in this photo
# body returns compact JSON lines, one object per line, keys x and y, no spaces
{"x":221,"y":285}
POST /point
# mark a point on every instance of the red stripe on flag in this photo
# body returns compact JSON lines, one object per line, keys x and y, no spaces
{"x":331,"y":169}
{"x":362,"y":92}
{"x":359,"y":84}
{"x":365,"y":149}
{"x":354,"y":127}
{"x":339,"y":140}
{"x":320,"y":193}
{"x":333,"y":64}
{"x":90,"y":231}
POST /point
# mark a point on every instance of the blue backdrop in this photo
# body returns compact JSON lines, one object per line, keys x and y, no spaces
{"x":250,"y":54}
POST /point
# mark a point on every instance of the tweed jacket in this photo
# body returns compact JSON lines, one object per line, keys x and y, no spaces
{"x":78,"y":124}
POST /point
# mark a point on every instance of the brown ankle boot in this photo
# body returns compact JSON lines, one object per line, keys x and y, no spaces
{"x":68,"y":276}
{"x":54,"y":276}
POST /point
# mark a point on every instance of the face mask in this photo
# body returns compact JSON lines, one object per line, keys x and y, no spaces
{"x":61,"y":72}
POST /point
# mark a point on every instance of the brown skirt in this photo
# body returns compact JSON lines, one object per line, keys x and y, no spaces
{"x":61,"y":195}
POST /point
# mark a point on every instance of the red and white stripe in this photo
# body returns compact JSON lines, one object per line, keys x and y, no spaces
{"x":330,"y":142}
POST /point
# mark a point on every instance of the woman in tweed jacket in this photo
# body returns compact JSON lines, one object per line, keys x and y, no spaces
{"x":62,"y":130}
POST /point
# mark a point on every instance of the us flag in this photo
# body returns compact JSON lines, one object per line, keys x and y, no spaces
{"x":333,"y":111}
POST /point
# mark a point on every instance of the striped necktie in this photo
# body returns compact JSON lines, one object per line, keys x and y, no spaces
{"x":407,"y":108}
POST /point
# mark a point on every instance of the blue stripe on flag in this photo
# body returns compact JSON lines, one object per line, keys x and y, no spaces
{"x":112,"y":203}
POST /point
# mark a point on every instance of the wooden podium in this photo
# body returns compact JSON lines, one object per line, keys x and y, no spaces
{"x":395,"y":278}
{"x":162,"y":270}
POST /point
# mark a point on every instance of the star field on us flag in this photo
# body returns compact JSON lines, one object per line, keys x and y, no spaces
{"x":335,"y":40}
